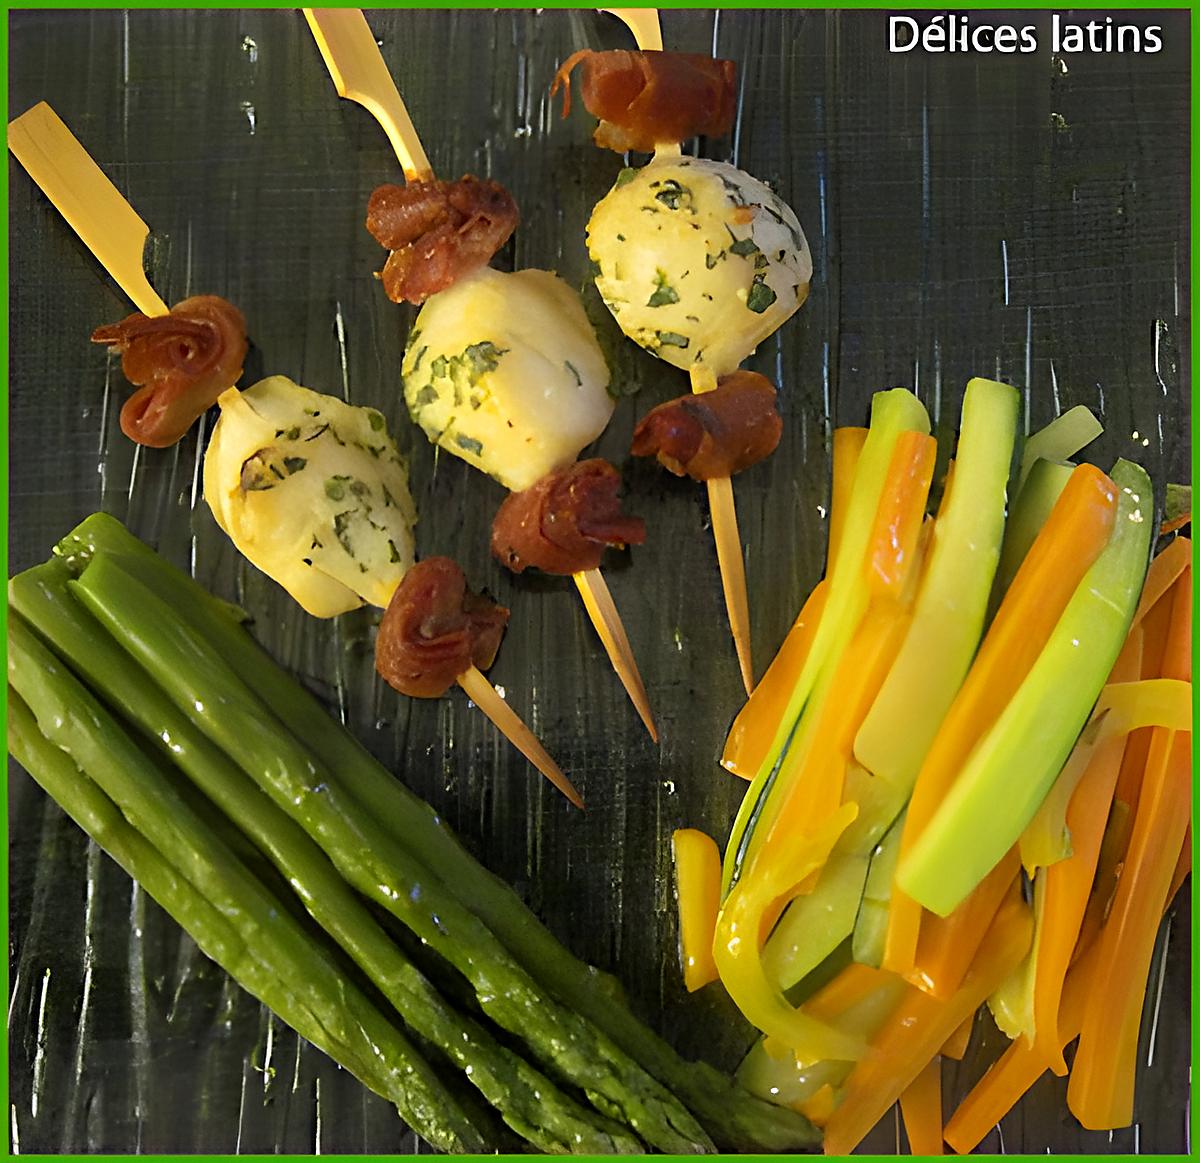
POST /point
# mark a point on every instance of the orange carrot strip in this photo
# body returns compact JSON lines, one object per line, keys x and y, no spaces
{"x":1100,"y":1091}
{"x":1166,"y":567}
{"x":1177,"y":654}
{"x":1067,"y":884}
{"x":921,"y":1109}
{"x":752,"y":731}
{"x":1021,"y":1065}
{"x":847,"y":444}
{"x":901,"y":513}
{"x":1182,"y":866}
{"x":1176,"y":523}
{"x":698,"y":883}
{"x":919,"y":1027}
{"x":847,"y":989}
{"x":948,"y":945}
{"x":1071,"y":539}
{"x":813,"y":769}
{"x":956,"y":1044}
{"x":1017,"y":1069}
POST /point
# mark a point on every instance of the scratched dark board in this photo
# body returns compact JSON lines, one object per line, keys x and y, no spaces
{"x":1023,"y":217}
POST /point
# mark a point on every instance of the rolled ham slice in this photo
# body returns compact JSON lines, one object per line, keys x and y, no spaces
{"x":713,"y":434}
{"x":646,"y":98}
{"x":563,"y":523}
{"x":180,"y":363}
{"x":434,"y":629}
{"x":438,"y":232}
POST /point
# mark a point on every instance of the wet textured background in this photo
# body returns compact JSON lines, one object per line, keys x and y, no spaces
{"x":1021,"y":217}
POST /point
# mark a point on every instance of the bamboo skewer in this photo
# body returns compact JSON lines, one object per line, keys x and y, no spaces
{"x":360,"y":74}
{"x":113,"y":232}
{"x":485,"y":696}
{"x":647,"y":33}
{"x":83,"y":195}
{"x":729,"y":550}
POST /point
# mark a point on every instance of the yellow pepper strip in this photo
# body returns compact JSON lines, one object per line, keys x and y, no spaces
{"x":847,"y":444}
{"x":820,"y":1106}
{"x":948,"y":945}
{"x":750,"y":910}
{"x":752,"y":731}
{"x":1122,"y":707}
{"x":956,"y":1044}
{"x":919,"y":1027}
{"x":1100,"y":1091}
{"x":921,"y":1109}
{"x":698,"y":885}
{"x":1072,"y":538}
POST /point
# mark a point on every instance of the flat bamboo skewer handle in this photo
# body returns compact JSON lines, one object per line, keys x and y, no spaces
{"x":84,"y":196}
{"x":644,"y":24}
{"x":360,"y":74}
{"x":488,"y":700}
{"x":729,"y":550}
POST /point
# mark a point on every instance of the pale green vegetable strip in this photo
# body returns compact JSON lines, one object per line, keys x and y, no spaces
{"x":948,"y":616}
{"x":814,"y":925}
{"x":1028,"y":514}
{"x":1061,"y":439}
{"x":1009,"y":773}
{"x":870,"y":926}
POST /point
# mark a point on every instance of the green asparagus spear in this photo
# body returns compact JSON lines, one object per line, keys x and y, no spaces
{"x":256,"y":941}
{"x":529,"y":1103}
{"x":737,"y":1120}
{"x":208,"y":691}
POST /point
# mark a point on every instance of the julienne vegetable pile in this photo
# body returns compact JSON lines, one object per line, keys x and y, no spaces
{"x":969,"y":779}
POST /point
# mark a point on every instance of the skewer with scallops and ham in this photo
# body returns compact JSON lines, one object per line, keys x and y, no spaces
{"x":699,"y":263}
{"x":502,"y":370}
{"x":311,"y":490}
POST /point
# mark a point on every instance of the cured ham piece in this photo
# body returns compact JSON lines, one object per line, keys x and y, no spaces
{"x":563,"y":523}
{"x":646,"y":98}
{"x":438,"y":232}
{"x":180,"y":363}
{"x":713,"y":434}
{"x":434,"y":629}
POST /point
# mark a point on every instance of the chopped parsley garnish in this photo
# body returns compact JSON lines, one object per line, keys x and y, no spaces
{"x":674,"y":196}
{"x":574,"y":371}
{"x":664,"y":293}
{"x":760,"y":296}
{"x":469,"y":443}
{"x":626,"y":175}
{"x":672,"y":339}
